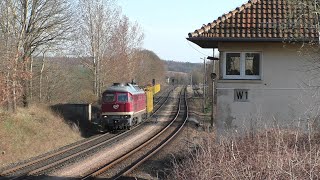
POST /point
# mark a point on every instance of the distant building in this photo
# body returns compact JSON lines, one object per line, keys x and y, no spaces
{"x":264,"y":79}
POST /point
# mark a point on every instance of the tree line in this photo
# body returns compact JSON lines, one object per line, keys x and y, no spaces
{"x":60,"y":50}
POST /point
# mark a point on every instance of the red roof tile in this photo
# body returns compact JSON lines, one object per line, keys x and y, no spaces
{"x":274,"y":20}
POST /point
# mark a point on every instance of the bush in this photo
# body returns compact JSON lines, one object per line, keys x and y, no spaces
{"x":272,"y":154}
{"x":84,"y":96}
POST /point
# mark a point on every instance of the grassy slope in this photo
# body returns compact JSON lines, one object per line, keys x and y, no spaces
{"x":31,"y":132}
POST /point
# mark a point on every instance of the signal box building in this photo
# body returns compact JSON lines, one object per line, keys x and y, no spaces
{"x":267,"y":71}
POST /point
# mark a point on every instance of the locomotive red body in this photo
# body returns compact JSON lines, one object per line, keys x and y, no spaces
{"x":123,"y":105}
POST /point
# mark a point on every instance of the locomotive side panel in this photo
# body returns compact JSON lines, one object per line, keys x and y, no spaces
{"x":140,"y":108}
{"x":139,"y":102}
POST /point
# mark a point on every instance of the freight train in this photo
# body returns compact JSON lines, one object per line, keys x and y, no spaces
{"x":125,"y":105}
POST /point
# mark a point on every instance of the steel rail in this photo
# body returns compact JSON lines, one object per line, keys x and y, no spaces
{"x":15,"y":169}
{"x":141,"y":160}
{"x":160,"y":96}
{"x":125,"y":156}
{"x":162,"y":103}
{"x":51,"y":165}
{"x":21,"y":166}
{"x":86,"y":150}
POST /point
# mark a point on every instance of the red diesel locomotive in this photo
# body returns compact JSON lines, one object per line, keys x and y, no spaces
{"x":123,"y":105}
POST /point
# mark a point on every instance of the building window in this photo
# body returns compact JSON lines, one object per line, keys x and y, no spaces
{"x":233,"y":64}
{"x":242,"y":65}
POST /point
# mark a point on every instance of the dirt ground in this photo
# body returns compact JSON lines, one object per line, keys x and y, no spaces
{"x":159,"y":166}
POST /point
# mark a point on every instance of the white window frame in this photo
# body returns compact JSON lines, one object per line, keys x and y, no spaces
{"x":242,"y":67}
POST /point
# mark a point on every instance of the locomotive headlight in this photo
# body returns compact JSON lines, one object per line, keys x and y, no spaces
{"x":105,"y":116}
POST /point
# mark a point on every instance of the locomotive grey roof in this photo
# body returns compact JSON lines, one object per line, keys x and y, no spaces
{"x":117,"y":87}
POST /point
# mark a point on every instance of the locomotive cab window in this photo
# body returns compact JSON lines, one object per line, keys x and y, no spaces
{"x":109,"y":98}
{"x":122,"y":98}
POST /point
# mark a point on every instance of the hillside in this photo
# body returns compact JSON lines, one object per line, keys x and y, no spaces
{"x":185,"y":67}
{"x":29,"y":133}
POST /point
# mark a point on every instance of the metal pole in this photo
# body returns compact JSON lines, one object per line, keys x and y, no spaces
{"x":213,"y":107}
{"x":203,"y":86}
{"x":205,"y":83}
{"x":213,"y":78}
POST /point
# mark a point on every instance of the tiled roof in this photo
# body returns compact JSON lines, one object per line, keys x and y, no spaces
{"x":262,"y":20}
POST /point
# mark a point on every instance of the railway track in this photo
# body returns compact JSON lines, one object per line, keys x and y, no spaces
{"x":197,"y":93}
{"x":129,"y":161}
{"x":69,"y":154}
{"x":161,"y":100}
{"x":161,"y":94}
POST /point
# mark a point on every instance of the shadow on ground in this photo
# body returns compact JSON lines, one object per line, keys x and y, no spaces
{"x":77,"y":116}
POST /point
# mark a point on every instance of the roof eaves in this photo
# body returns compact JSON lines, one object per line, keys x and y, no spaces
{"x":207,"y":42}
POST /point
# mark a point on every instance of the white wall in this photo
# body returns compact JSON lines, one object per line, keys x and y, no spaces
{"x":281,"y":97}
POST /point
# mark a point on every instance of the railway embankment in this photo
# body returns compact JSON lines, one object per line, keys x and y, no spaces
{"x":31,"y":132}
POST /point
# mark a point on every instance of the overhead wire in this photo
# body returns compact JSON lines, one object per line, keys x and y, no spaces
{"x":197,"y":49}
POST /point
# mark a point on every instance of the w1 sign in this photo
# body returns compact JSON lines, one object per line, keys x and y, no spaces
{"x":241,"y":95}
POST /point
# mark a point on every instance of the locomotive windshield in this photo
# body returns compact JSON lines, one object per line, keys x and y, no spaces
{"x":122,"y":98}
{"x":109,"y":98}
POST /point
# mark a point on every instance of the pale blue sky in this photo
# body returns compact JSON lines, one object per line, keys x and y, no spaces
{"x":166,"y":24}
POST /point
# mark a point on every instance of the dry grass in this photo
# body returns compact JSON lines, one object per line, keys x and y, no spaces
{"x":272,"y":154}
{"x":31,"y":132}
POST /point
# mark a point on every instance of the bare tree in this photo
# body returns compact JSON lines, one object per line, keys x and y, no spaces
{"x":303,"y":22}
{"x":96,"y":20}
{"x":10,"y":52}
{"x":3,"y":90}
{"x":30,"y":24}
{"x":126,"y":40}
{"x":41,"y":74}
{"x":106,"y":42}
{"x":302,"y":18}
{"x":149,"y":66}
